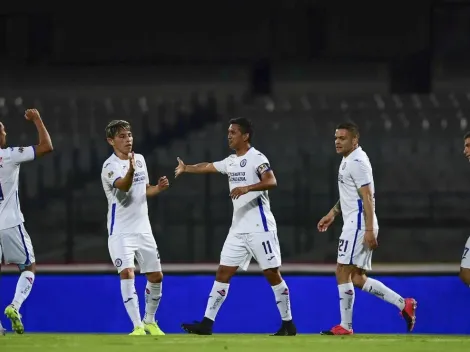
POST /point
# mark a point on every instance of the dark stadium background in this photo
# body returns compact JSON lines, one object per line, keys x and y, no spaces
{"x":178,"y":71}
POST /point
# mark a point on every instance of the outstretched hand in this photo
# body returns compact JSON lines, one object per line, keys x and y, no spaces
{"x":180,"y":168}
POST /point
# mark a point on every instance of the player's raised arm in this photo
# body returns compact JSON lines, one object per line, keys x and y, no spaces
{"x":45,"y":144}
{"x":201,"y":168}
{"x":124,"y":183}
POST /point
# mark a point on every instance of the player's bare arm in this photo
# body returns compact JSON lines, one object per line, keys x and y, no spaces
{"x":162,"y":185}
{"x":328,"y":219}
{"x":201,"y":168}
{"x":45,"y":144}
{"x":124,"y":183}
{"x":268,"y":181}
{"x":368,"y":203}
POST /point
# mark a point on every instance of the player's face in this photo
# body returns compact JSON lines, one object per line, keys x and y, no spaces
{"x":122,"y":142}
{"x":344,"y":142}
{"x":236,"y":138}
{"x":466,"y":149}
{"x":3,"y":136}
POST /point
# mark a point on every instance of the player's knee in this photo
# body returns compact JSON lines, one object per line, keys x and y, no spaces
{"x":273,"y":275}
{"x":127,"y":274}
{"x":155,"y":278}
{"x":465,"y":275}
{"x":30,"y":267}
{"x":358,"y":279}
{"x":225,"y":273}
{"x":343,"y":273}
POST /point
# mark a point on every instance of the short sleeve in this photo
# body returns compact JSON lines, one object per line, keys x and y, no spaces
{"x":111,"y":173}
{"x":360,"y":173}
{"x":261,"y":164}
{"x":221,"y":166}
{"x":22,"y":154}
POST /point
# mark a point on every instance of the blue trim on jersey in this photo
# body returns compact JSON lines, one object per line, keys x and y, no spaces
{"x":263,"y":215}
{"x":116,"y":180}
{"x":113,"y":217}
{"x":366,"y":184}
{"x":27,"y":262}
{"x":359,"y":220}
{"x":34,"y":152}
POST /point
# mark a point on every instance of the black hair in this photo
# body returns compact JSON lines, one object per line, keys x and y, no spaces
{"x":115,"y":126}
{"x":245,"y":126}
{"x":349,"y":126}
{"x":467,"y":135}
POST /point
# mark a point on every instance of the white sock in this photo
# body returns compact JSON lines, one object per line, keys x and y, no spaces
{"x":218,"y":294}
{"x":131,"y":301}
{"x":281,"y":292}
{"x":378,"y":289}
{"x":153,"y":295}
{"x":23,"y":288}
{"x":346,"y":304}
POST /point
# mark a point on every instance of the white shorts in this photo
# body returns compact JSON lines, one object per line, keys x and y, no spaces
{"x":239,"y":248}
{"x":125,"y":248}
{"x":353,"y":251}
{"x":465,"y":263}
{"x":16,"y":246}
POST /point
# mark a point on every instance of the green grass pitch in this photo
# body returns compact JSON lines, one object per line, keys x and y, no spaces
{"x":242,"y":343}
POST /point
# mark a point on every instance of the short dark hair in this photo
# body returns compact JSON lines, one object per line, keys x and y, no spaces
{"x":115,"y":126}
{"x":467,"y":135}
{"x":349,"y":126}
{"x":245,"y":126}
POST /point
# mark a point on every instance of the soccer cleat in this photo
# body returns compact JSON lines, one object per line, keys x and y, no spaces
{"x":15,"y":317}
{"x":337,"y":330}
{"x":198,"y":328}
{"x":138,"y":331}
{"x":409,"y":313}
{"x":287,"y":329}
{"x":2,"y":331}
{"x":153,"y":329}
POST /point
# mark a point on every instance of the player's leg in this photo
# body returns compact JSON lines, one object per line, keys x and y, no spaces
{"x":465,"y":264}
{"x":148,"y":258}
{"x":2,"y":330}
{"x":266,"y":250}
{"x":350,"y":244}
{"x":18,"y":249}
{"x":407,"y":306}
{"x":234,"y":255}
{"x":122,"y":248}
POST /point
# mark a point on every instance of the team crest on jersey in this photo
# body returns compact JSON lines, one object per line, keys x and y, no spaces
{"x":138,"y":163}
{"x":243,"y":163}
{"x":110,"y":174}
{"x":344,"y":166}
{"x":118,"y":262}
{"x":21,"y":149}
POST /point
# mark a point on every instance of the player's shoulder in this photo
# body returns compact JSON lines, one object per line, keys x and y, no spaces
{"x":256,"y":154}
{"x":109,"y":162}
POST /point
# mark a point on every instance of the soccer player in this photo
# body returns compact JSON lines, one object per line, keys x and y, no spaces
{"x":360,"y":230}
{"x":126,"y":185}
{"x":465,"y":263}
{"x":15,"y":243}
{"x":253,"y":232}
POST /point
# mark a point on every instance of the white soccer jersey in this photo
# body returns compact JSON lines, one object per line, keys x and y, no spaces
{"x":251,"y":211}
{"x":10,"y":160}
{"x":128,"y":211}
{"x":355,"y":172}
